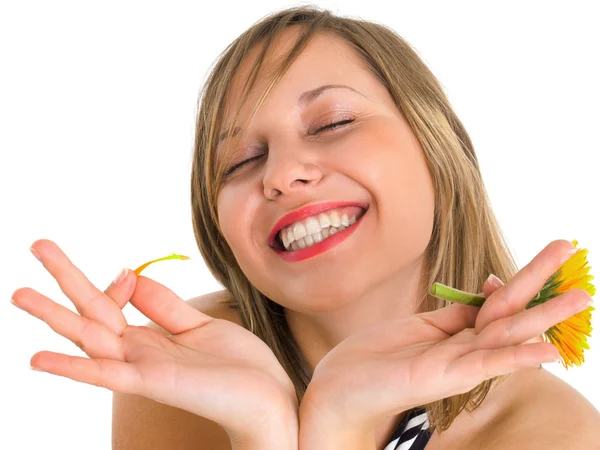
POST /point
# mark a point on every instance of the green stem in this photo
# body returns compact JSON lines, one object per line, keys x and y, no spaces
{"x":455,"y":295}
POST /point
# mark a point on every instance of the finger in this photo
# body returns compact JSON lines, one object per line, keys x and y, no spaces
{"x":118,"y":376}
{"x":492,"y":285}
{"x":121,"y":289}
{"x":165,"y":308}
{"x":514,"y":296}
{"x":480,"y":365}
{"x":452,"y":319}
{"x":457,"y":316}
{"x":89,"y":301}
{"x":92,"y":337}
{"x":532,"y":322}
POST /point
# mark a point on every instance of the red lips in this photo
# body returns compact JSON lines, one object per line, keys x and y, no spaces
{"x":305,"y":212}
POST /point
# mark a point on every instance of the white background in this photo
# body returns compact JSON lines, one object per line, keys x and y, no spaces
{"x":97,"y":108}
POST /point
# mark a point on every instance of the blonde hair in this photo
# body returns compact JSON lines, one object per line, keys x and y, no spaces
{"x":466,"y":243}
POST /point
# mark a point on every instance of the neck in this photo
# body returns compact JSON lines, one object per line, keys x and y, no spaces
{"x":318,"y":333}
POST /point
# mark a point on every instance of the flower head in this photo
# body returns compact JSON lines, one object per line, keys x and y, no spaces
{"x":569,"y":336}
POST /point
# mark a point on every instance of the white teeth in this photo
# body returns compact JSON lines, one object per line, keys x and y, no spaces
{"x":314,"y":229}
{"x":299,"y":231}
{"x":335,"y":219}
{"x":324,"y":220}
{"x":312,"y":225}
{"x":308,"y":240}
{"x":345,"y":221}
{"x":315,"y":238}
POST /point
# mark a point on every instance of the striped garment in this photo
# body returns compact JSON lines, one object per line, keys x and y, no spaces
{"x":411,"y":433}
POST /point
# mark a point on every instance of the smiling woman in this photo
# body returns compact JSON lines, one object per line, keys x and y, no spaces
{"x":332,"y":184}
{"x":337,"y":112}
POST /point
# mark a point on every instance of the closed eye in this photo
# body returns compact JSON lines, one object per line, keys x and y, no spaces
{"x":334,"y":125}
{"x":330,"y":126}
{"x":240,"y":164}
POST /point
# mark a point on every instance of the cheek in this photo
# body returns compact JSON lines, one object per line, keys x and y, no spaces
{"x":410,"y":203}
{"x":395,"y":171}
{"x":233,"y":214}
{"x":391,"y":160}
{"x":237,"y":207}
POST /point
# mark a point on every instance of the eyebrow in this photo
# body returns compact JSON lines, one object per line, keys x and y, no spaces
{"x":303,"y":101}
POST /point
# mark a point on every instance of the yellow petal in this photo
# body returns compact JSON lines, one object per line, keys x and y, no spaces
{"x":164,"y":258}
{"x":570,"y":337}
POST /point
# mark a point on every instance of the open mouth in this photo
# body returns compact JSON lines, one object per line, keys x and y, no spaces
{"x":316,"y":229}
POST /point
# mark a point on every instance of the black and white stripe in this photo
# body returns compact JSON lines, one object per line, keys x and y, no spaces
{"x":411,"y":433}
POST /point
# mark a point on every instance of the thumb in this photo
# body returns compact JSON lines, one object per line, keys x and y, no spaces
{"x":122,"y":287}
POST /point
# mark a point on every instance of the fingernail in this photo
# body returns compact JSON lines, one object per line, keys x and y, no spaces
{"x":568,"y":255}
{"x":586,"y":305}
{"x":122,"y":274}
{"x":36,"y":254}
{"x":35,"y":368}
{"x":13,"y":302}
{"x":494,"y":281}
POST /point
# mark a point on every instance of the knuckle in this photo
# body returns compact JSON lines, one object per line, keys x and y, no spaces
{"x":503,"y":296}
{"x":546,"y":313}
{"x":84,"y":329}
{"x":531,"y":271}
{"x":508,"y":326}
{"x":90,"y":304}
{"x":482,"y":365}
{"x":100,"y":383}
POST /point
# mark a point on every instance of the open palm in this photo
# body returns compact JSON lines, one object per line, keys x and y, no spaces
{"x":411,"y":361}
{"x":210,"y":367}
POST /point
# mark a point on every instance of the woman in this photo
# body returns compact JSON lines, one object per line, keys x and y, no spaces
{"x":332,"y":185}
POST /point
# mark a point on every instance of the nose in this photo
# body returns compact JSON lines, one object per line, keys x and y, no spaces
{"x":289,"y":175}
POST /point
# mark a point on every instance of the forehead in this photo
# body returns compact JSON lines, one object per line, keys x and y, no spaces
{"x":327,"y":59}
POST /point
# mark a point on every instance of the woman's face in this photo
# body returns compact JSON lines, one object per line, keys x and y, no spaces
{"x":373,"y":162}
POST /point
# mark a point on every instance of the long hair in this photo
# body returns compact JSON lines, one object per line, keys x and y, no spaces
{"x":466,"y":243}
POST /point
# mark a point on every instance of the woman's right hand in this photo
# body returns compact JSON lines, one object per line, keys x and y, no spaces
{"x":210,"y":367}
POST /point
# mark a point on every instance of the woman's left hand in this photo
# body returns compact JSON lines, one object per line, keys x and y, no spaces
{"x":402,"y":363}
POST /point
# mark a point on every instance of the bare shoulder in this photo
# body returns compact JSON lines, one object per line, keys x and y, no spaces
{"x":548,"y":413}
{"x":541,"y":411}
{"x":530,"y":408}
{"x":138,"y":422}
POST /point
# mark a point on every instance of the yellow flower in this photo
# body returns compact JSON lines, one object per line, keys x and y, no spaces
{"x":569,"y":336}
{"x":171,"y":256}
